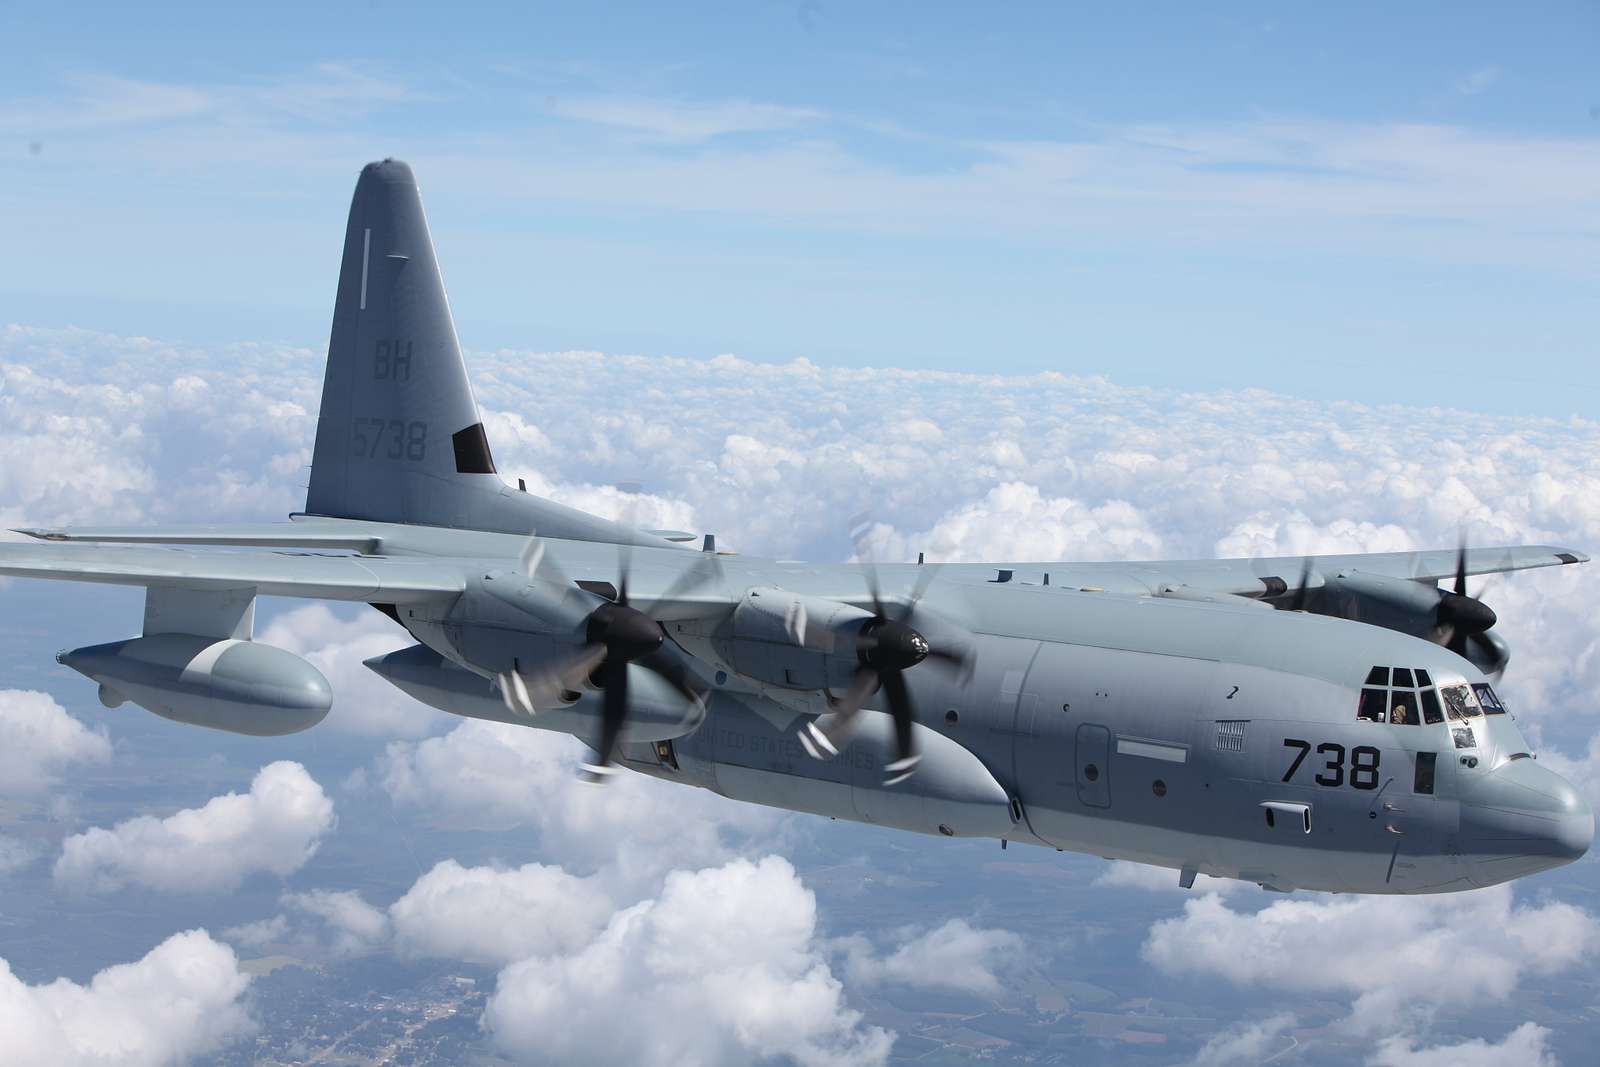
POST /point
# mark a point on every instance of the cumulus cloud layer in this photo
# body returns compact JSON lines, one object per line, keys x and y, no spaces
{"x":954,"y":956}
{"x":959,"y":466}
{"x":724,"y":967}
{"x":274,"y":828}
{"x":496,"y":916}
{"x":38,"y":739}
{"x":735,"y":947}
{"x":1526,"y":1046}
{"x":487,"y":775}
{"x":182,"y":999}
{"x":1390,"y":953}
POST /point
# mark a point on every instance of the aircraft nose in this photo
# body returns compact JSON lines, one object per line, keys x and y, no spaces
{"x":1521,"y":817}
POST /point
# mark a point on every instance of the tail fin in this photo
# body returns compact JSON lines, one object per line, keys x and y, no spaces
{"x":399,"y":438}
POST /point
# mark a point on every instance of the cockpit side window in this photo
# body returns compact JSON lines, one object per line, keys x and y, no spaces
{"x":1378,"y":676}
{"x":1374,"y":705}
{"x":1430,"y":707}
{"x":1489,"y":699}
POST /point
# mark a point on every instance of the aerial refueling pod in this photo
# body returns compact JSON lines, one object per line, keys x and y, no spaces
{"x":226,"y":684}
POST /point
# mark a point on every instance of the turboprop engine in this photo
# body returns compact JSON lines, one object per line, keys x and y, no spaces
{"x":795,"y":641}
{"x":1451,"y":618}
{"x":226,"y":684}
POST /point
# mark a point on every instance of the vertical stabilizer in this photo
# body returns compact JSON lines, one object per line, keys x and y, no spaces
{"x":399,"y":438}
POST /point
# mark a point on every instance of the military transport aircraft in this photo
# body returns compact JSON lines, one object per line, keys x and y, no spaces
{"x":1325,"y":722}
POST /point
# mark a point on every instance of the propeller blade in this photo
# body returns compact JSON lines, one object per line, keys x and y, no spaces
{"x":907,"y":758}
{"x":706,"y":570}
{"x":614,"y":712}
{"x":823,"y":736}
{"x":1460,"y":587}
{"x":956,"y":657}
{"x":860,"y":527}
{"x":1302,"y":590}
{"x":925,"y":576}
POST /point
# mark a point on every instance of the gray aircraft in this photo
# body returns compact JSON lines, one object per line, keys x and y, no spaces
{"x":1321,"y":722}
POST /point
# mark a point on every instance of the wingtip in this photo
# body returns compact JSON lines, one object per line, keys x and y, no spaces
{"x":40,"y":533}
{"x":1567,"y":555}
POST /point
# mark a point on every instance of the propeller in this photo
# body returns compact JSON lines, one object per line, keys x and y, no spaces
{"x":616,"y":635}
{"x":887,"y":646}
{"x":1302,"y":591}
{"x":1461,"y":617}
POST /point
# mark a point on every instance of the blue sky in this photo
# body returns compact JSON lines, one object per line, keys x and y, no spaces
{"x":1351,"y":202}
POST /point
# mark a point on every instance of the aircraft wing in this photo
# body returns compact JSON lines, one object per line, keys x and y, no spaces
{"x":295,"y":574}
{"x":1255,"y":577}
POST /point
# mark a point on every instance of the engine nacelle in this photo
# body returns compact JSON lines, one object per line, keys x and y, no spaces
{"x":657,"y":711}
{"x":1419,"y":609}
{"x":227,"y":684}
{"x":790,"y":640}
{"x":1392,"y":603}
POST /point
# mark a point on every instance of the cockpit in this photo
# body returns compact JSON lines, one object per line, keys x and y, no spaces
{"x":1407,"y":696}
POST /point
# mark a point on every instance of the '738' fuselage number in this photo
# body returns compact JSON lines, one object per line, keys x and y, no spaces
{"x":1362,"y":766}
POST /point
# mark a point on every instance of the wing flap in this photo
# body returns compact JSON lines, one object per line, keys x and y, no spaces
{"x":292,"y":574}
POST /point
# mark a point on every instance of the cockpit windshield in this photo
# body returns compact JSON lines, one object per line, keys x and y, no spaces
{"x":1406,"y":696}
{"x":1488,"y":698}
{"x":1459,"y":702}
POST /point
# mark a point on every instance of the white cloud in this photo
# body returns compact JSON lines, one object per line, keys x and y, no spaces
{"x":181,"y":1000}
{"x":356,"y":925}
{"x":954,"y":956}
{"x":1526,"y":1046}
{"x":1247,"y":1044}
{"x":1122,"y":874}
{"x":496,"y":916}
{"x":724,"y":967}
{"x":1394,"y":954}
{"x":260,"y":933}
{"x":336,"y":644}
{"x":495,"y":776}
{"x":273,"y":829}
{"x":1016,"y":521}
{"x":38,"y":739}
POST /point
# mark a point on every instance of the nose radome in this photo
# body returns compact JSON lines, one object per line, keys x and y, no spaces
{"x":1523,"y":808}
{"x":1576,"y":824}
